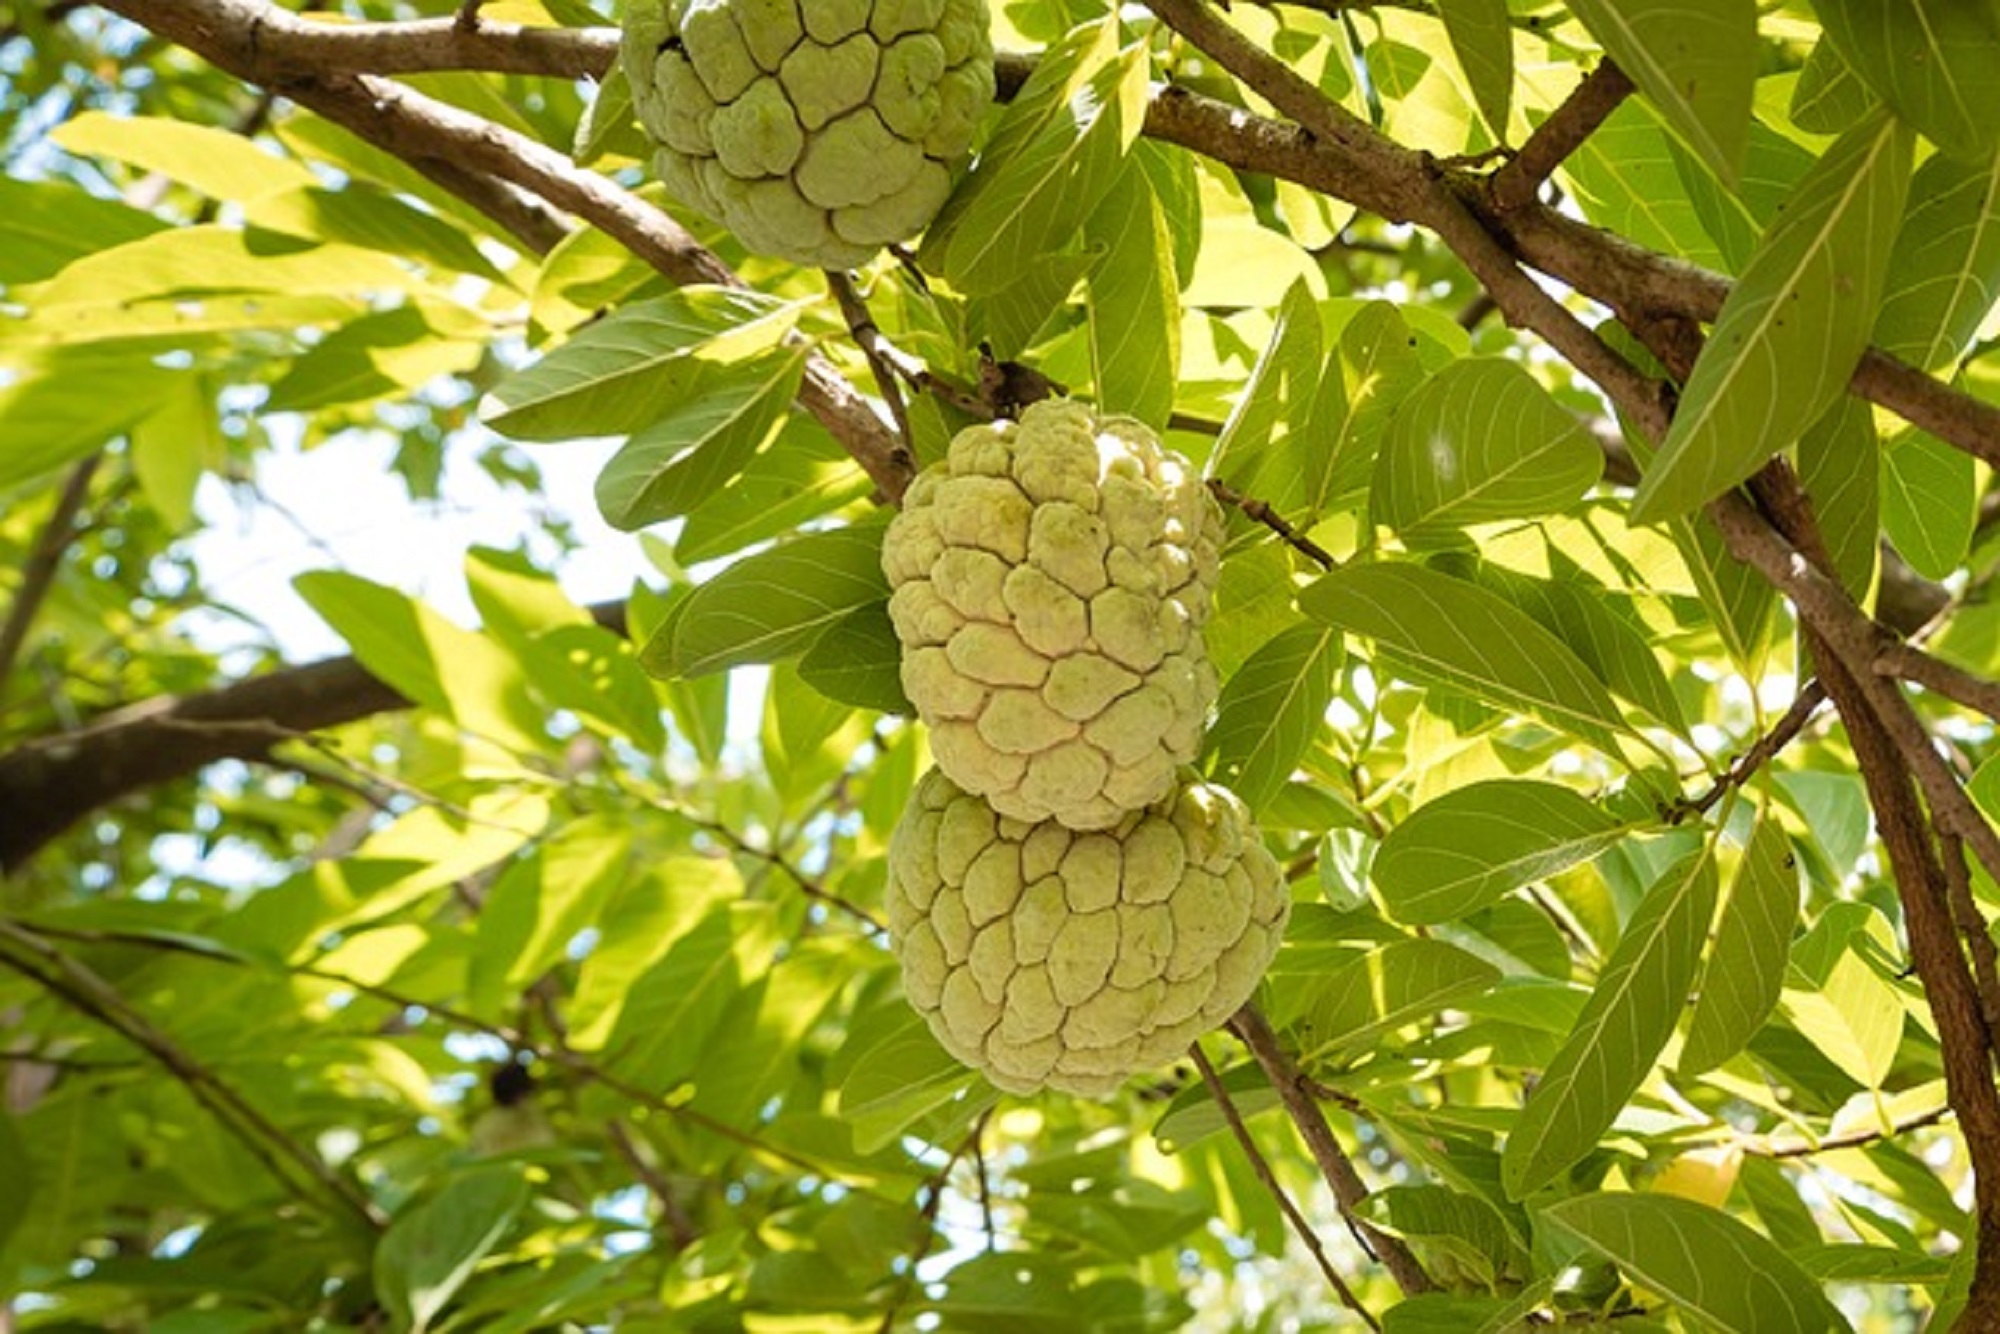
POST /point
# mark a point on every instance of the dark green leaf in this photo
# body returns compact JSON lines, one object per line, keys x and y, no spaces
{"x":1629,"y":1017}
{"x":1464,"y":850}
{"x":1791,"y":330}
{"x":1483,"y":41}
{"x":703,"y":442}
{"x":902,"y":1077}
{"x":773,"y":604}
{"x":46,"y":224}
{"x":1707,"y":1263}
{"x":858,"y":661}
{"x":1465,"y":1231}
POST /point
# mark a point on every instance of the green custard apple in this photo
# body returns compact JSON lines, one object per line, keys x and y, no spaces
{"x":817,"y":131}
{"x":1050,"y":581}
{"x":1050,"y":958}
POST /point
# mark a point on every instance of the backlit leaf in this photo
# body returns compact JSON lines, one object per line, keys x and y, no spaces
{"x":1944,"y":274}
{"x":1930,"y":501}
{"x":1271,"y":709}
{"x":1483,"y":41}
{"x":1931,"y":60}
{"x":1839,"y":471}
{"x":1617,"y":1039}
{"x":729,"y":412}
{"x":1479,"y":441}
{"x":1466,"y":849}
{"x":206,"y":158}
{"x":430,"y":1250}
{"x":1457,"y":634}
{"x":1746,"y":968}
{"x":1695,"y":62}
{"x":1401,"y":983}
{"x":1132,"y":300}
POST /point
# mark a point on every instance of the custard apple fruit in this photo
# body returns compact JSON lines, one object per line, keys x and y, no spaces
{"x":1050,"y":582}
{"x":1046,"y":957}
{"x":816,"y":130}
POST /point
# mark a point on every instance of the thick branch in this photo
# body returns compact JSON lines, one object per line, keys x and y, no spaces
{"x":50,"y":783}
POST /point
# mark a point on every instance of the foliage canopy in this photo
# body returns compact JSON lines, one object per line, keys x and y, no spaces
{"x":1604,"y":400}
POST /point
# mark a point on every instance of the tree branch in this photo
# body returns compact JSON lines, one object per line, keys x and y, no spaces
{"x":1348,"y":1188}
{"x":1591,"y":103}
{"x":39,"y":574}
{"x":1269,"y":1180}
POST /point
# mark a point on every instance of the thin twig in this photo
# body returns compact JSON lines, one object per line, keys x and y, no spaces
{"x":38,"y":575}
{"x":1348,"y":1189}
{"x":808,"y":886}
{"x":1270,"y":1182}
{"x":679,"y":1226}
{"x":1586,"y":108}
{"x":1261,"y":512}
{"x":926,"y":1240}
{"x":1804,"y":705}
{"x":877,"y":349}
{"x":83,"y":990}
{"x":1800,"y":1148}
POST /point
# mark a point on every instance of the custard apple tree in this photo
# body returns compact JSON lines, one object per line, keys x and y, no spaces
{"x":964,"y":665}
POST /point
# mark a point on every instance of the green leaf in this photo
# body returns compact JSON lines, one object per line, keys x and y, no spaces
{"x":1270,"y":711}
{"x":627,"y":370}
{"x":773,"y":604}
{"x":1457,"y":634}
{"x":858,"y":661}
{"x":1483,"y":41}
{"x":205,"y":158}
{"x":172,"y":447}
{"x":1479,"y":441}
{"x":1263,"y":450}
{"x":1466,"y":1231}
{"x":1055,"y":152}
{"x":540,"y":904}
{"x":665,"y":942}
{"x":18,"y":1171}
{"x":1829,"y":97}
{"x":1400,"y":983}
{"x":803,"y":475}
{"x":1462,"y":851}
{"x":1944,"y":274}
{"x":1930,"y":501}
{"x":46,"y":224}
{"x":1695,"y":62}
{"x":1735,"y":219}
{"x":1378,"y":368}
{"x":1602,"y":630}
{"x":1931,"y":60}
{"x":596,"y":675}
{"x":1627,"y":177}
{"x":1617,"y":1039}
{"x":459,"y":673}
{"x":731,"y":411}
{"x":373,"y":219}
{"x":431,"y":1249}
{"x":898,"y":1080}
{"x":1854,"y":1017}
{"x":1717,"y":1269}
{"x":1132,"y":300}
{"x":58,"y":410}
{"x":1839,"y":471}
{"x":1746,"y":968}
{"x":379,"y":354}
{"x":1791,"y":331}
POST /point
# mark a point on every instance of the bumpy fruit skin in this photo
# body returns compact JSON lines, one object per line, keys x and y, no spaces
{"x":1048,"y":958}
{"x":816,"y":130}
{"x":1051,"y":579}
